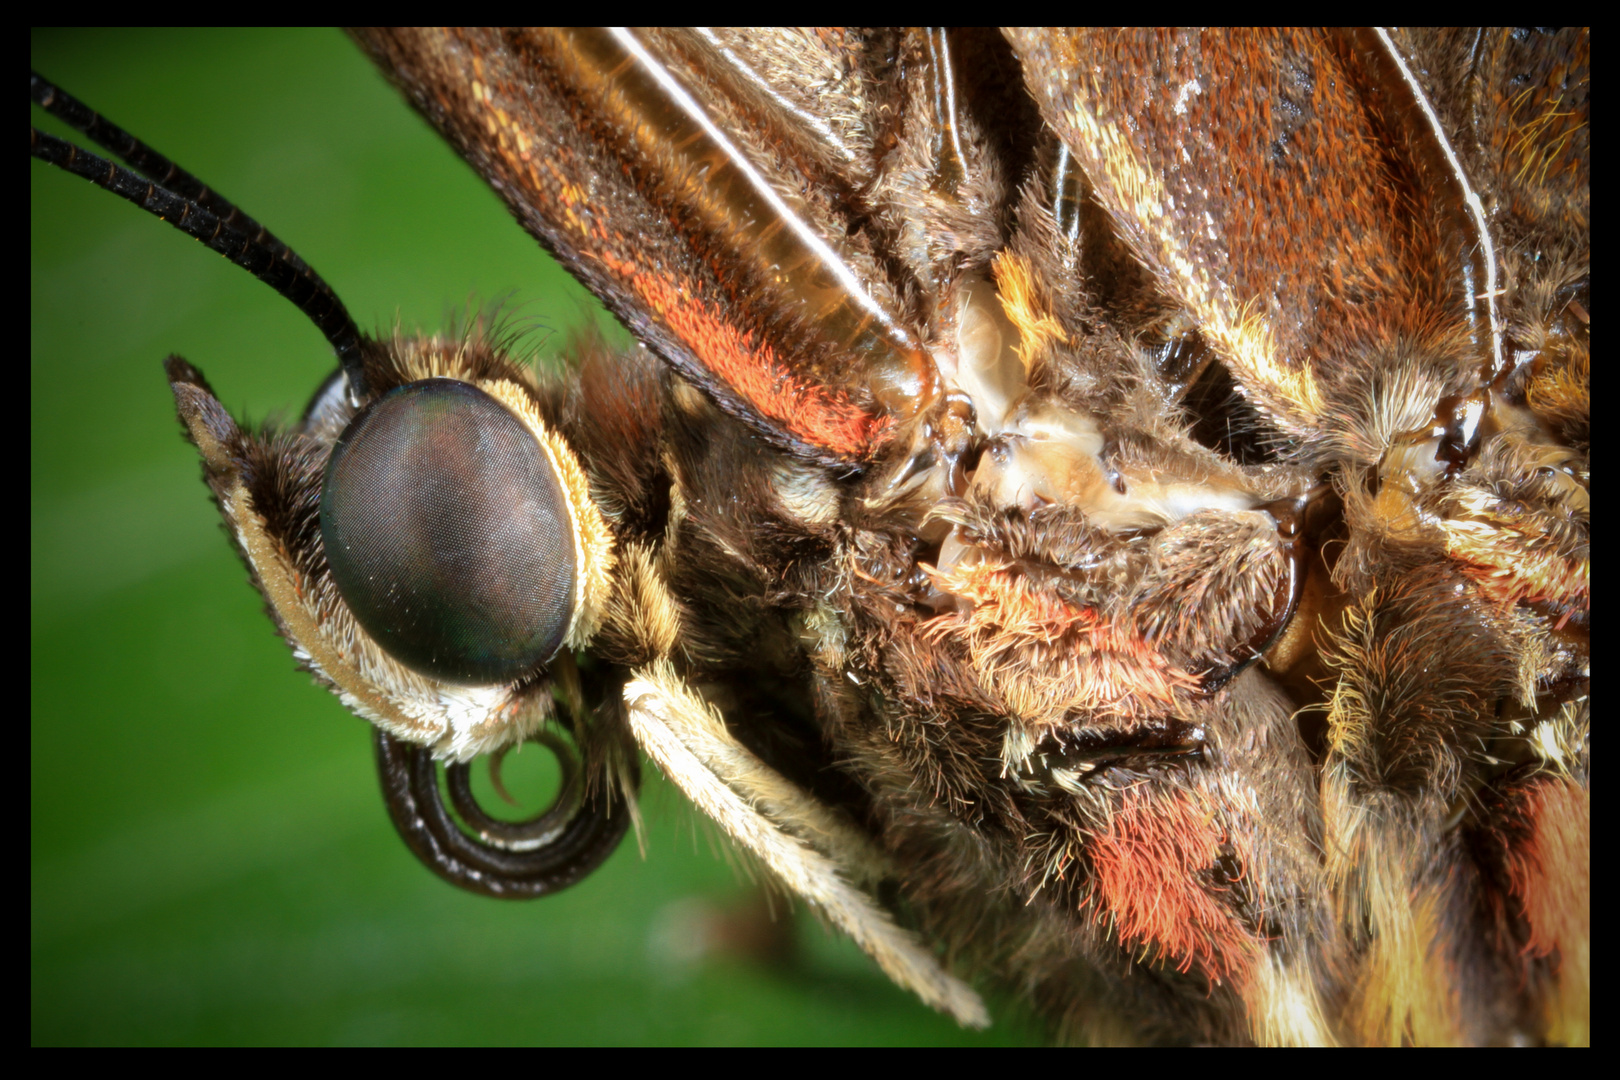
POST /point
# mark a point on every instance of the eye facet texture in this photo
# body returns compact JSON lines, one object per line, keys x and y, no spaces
{"x":448,"y":536}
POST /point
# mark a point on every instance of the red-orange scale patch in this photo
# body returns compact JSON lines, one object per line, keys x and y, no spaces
{"x":753,"y":370}
{"x":1146,"y":868}
{"x":1109,"y":665}
{"x":1550,"y":873}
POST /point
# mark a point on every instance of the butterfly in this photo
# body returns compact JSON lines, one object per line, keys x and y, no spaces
{"x":179,"y":716}
{"x":1136,"y":752}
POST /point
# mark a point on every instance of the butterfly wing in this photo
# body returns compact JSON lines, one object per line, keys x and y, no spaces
{"x":705,"y":210}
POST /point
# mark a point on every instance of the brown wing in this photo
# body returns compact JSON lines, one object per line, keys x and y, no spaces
{"x":719,"y":218}
{"x":1281,"y":186}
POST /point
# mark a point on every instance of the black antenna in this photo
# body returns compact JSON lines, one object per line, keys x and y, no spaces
{"x":165,"y":190}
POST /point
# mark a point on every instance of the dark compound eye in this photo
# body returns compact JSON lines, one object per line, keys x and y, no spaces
{"x":448,"y":536}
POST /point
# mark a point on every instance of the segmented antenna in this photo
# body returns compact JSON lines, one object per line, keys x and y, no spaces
{"x":165,"y":190}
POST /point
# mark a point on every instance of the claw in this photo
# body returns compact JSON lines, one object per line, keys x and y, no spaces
{"x":1301,"y":520}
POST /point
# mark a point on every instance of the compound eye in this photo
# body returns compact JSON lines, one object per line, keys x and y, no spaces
{"x":448,"y":534}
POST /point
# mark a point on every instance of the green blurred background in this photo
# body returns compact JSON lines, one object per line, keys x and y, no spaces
{"x":210,"y":861}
